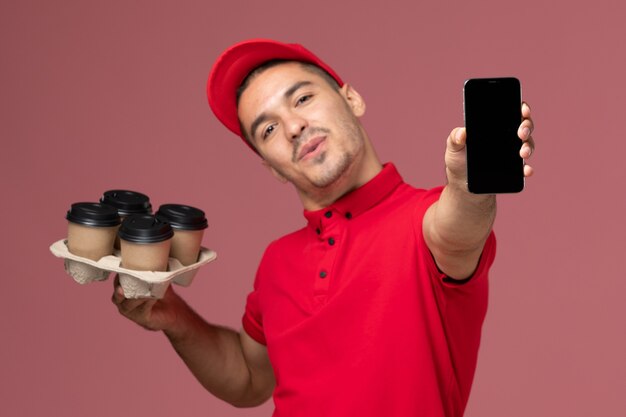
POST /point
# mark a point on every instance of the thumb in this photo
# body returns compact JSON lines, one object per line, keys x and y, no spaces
{"x":456,"y":140}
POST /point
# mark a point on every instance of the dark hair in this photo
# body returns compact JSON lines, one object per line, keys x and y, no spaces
{"x":269,"y":64}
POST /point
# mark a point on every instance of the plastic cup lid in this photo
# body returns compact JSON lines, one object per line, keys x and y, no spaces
{"x":127,"y":202}
{"x":144,"y":228}
{"x":93,"y":214}
{"x":183,"y":217}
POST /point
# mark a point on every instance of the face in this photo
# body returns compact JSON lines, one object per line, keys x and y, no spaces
{"x":307,"y":132}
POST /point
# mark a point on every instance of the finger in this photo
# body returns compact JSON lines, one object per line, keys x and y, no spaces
{"x":525,"y":129}
{"x":528,"y":147}
{"x":528,"y":171}
{"x":525,"y":110}
{"x":146,"y":306}
{"x":456,"y":139}
{"x":118,"y":292}
{"x":131,"y":305}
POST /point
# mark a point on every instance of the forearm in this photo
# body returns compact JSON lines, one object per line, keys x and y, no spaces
{"x":456,"y":228}
{"x":215,"y":356}
{"x":462,"y":220}
{"x":232,"y":366}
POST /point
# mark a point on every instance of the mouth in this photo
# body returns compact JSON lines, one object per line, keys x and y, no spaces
{"x":311,"y":147}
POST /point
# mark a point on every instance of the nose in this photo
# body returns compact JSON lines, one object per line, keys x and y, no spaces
{"x":294,"y":126}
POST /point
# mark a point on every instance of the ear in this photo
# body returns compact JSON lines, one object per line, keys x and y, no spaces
{"x":354,"y":99}
{"x":275,"y":173}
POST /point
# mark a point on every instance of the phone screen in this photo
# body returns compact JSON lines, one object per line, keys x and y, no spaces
{"x":493,"y":114}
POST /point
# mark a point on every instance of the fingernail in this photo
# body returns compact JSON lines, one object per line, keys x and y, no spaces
{"x":457,"y":136}
{"x":526,"y":132}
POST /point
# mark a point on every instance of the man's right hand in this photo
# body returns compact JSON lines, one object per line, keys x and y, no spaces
{"x":149,"y":313}
{"x":229,"y":364}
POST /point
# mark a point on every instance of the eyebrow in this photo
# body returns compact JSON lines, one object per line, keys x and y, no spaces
{"x":288,"y":93}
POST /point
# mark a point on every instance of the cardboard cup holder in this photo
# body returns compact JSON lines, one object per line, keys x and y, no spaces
{"x":136,"y":284}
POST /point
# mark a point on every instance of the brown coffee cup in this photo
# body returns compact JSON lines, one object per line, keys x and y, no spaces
{"x":92,"y":228}
{"x":145,"y":243}
{"x":188,"y":224}
{"x":127,"y":203}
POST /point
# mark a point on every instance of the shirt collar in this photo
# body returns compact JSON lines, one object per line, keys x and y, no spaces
{"x":360,"y":200}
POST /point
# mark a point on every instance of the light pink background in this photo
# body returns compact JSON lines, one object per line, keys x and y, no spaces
{"x":100,"y":95}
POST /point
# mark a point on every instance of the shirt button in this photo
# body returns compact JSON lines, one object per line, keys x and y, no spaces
{"x":323,"y":274}
{"x":328,"y":214}
{"x":348,"y":215}
{"x":331,"y":241}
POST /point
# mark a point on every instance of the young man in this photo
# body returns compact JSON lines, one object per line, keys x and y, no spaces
{"x":375,"y":307}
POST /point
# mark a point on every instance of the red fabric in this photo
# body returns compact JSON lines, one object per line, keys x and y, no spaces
{"x":381,"y":334}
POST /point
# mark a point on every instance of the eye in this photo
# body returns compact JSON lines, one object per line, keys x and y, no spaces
{"x":303,"y":99}
{"x":268,"y":130}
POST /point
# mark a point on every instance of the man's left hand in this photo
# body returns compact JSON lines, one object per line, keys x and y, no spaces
{"x":456,"y":159}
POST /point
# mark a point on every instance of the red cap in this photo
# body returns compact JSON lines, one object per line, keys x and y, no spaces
{"x":236,"y":62}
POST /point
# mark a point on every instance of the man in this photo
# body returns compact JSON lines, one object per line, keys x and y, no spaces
{"x":375,"y":307}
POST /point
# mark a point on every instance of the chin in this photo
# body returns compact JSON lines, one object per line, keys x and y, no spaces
{"x":331,"y":171}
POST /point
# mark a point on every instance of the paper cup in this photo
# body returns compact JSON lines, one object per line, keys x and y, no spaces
{"x":186,"y":245}
{"x":127,"y":203}
{"x":188,"y":224}
{"x":145,"y":243}
{"x":145,"y":256}
{"x":92,"y":228}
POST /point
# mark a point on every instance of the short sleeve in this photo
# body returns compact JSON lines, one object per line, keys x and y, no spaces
{"x":252,"y":318}
{"x":463,"y":308}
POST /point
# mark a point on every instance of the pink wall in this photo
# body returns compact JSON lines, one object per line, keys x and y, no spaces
{"x":111,"y":94}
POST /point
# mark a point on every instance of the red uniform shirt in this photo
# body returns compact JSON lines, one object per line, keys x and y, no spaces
{"x":357,"y":319}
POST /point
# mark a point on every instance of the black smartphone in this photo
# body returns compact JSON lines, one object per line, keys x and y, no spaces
{"x":493,"y":114}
